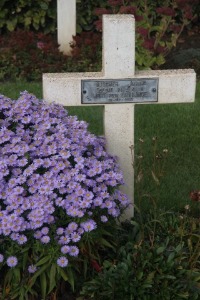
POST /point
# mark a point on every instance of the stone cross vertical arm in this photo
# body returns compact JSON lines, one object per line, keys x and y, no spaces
{"x":119,"y":62}
{"x":118,"y":38}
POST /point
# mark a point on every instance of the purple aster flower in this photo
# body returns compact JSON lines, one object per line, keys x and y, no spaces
{"x":32,"y":269}
{"x":59,"y":201}
{"x":62,"y":261}
{"x":114,"y":212}
{"x":88,"y":225}
{"x":45,"y":230}
{"x":1,"y":258}
{"x":12,"y":261}
{"x":108,"y":204}
{"x":88,"y":195}
{"x":64,"y":240}
{"x":45,"y":239}
{"x":22,"y":239}
{"x":74,"y":251}
{"x":72,"y":226}
{"x":60,"y":231}
{"x":104,"y":219}
{"x":80,"y":231}
{"x":98,"y":201}
{"x":65,"y":249}
{"x":37,"y":234}
{"x":22,"y":162}
{"x":72,"y":211}
{"x":75,"y":237}
{"x":18,"y":190}
{"x":50,"y":219}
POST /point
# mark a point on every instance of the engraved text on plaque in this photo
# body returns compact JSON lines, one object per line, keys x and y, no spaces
{"x":119,"y":90}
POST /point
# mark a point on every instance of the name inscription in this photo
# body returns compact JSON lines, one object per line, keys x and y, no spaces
{"x":137,"y":90}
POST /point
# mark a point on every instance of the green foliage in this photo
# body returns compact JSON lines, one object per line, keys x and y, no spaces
{"x":28,"y":14}
{"x":42,"y":15}
{"x":157,"y":258}
{"x":51,"y":281}
{"x":85,"y":15}
{"x":158,"y":25}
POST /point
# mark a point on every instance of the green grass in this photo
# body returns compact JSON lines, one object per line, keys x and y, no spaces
{"x":177,"y":127}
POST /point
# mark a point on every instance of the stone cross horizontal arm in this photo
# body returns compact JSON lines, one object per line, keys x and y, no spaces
{"x":174,"y":86}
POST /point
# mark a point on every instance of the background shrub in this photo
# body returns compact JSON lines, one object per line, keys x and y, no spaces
{"x":158,"y":25}
{"x":28,"y":14}
{"x":28,"y":55}
{"x":42,"y":15}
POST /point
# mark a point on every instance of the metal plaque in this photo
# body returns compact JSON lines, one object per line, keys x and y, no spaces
{"x":137,"y":90}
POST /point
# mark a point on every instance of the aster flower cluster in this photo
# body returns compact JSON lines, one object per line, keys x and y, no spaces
{"x":56,"y":179}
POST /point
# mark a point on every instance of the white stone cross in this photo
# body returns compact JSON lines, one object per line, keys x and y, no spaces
{"x":174,"y":86}
{"x":66,"y":24}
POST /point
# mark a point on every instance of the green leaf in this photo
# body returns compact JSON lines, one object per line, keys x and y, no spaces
{"x":37,"y":274}
{"x":171,"y":257}
{"x":139,"y":59}
{"x":70,"y":278}
{"x":197,"y":278}
{"x":150,"y":276}
{"x":16,"y":273}
{"x":63,"y":274}
{"x":44,"y":5}
{"x":160,"y":60}
{"x":52,"y":279}
{"x":179,"y":247}
{"x":78,"y":28}
{"x":27,"y":21}
{"x":43,"y":285}
{"x":183,"y":295}
{"x":160,"y":250}
{"x":85,"y":267}
{"x":10,"y":25}
{"x":25,"y":259}
{"x":140,"y":275}
{"x":168,"y":277}
{"x":8,"y":277}
{"x":105,"y":243}
{"x":146,"y":285}
{"x":43,"y":260}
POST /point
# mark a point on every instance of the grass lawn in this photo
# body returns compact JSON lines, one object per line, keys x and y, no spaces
{"x":176,"y":127}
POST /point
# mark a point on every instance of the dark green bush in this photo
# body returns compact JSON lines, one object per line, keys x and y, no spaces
{"x":157,"y":258}
{"x":41,"y":15}
{"x":85,"y":14}
{"x":28,"y":14}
